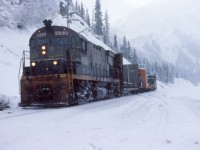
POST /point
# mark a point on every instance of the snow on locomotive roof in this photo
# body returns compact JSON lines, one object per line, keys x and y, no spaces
{"x":90,"y":37}
{"x":126,"y":62}
{"x":87,"y":34}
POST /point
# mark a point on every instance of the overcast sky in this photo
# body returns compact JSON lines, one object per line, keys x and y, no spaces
{"x":117,"y":9}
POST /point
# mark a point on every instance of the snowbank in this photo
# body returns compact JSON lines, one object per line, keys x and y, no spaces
{"x":8,"y":102}
{"x":181,"y":88}
{"x":167,"y":118}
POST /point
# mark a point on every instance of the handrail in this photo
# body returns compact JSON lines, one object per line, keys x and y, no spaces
{"x":22,"y":61}
{"x":19,"y":76}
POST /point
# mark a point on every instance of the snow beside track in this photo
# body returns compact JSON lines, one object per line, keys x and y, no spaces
{"x":166,"y":119}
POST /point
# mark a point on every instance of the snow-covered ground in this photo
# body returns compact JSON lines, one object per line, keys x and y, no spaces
{"x":166,"y":119}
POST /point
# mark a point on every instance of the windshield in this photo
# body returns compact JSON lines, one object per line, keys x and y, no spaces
{"x":59,"y":41}
{"x":55,"y":52}
{"x":50,"y":52}
{"x":54,"y":48}
{"x":151,"y":81}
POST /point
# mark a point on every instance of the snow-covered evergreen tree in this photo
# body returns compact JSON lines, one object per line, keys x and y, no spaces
{"x":134,"y":57}
{"x":63,"y":9}
{"x":106,"y":31}
{"x":123,"y":47}
{"x":128,"y":51}
{"x":76,"y":6}
{"x":87,"y":18}
{"x":124,"y":44}
{"x":98,"y":26}
{"x":165,"y":73}
{"x":115,"y":45}
{"x":70,"y":3}
{"x":82,"y":12}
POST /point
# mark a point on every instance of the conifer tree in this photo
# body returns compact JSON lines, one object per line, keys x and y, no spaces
{"x":144,"y":63}
{"x":148,"y":66}
{"x":165,"y":73}
{"x":106,"y":29}
{"x":115,"y":45}
{"x":63,"y":9}
{"x":69,"y":1}
{"x":98,"y":18}
{"x":123,"y":46}
{"x":82,"y":12}
{"x":134,"y":56}
{"x":104,"y":34}
{"x":76,"y":7}
{"x":79,"y":10}
{"x":128,"y":51}
{"x":87,"y":18}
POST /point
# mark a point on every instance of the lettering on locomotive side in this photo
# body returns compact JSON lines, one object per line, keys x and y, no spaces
{"x":84,"y":61}
{"x":61,"y":33}
{"x":41,"y":34}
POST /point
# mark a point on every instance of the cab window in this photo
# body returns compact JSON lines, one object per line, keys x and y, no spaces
{"x":84,"y":46}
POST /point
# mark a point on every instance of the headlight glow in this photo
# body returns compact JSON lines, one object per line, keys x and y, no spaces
{"x":55,"y":62}
{"x":43,"y":52}
{"x":33,"y":64}
{"x":43,"y":47}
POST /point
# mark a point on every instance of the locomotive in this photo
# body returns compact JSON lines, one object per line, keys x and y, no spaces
{"x":65,"y":68}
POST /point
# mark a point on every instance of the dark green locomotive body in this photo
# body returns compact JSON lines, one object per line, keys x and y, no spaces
{"x":67,"y":68}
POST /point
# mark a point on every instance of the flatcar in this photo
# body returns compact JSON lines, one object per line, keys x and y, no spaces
{"x":65,"y":68}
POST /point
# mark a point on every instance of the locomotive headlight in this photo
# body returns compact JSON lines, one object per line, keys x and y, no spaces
{"x":43,"y":52}
{"x":55,"y":62}
{"x":43,"y":47}
{"x":33,"y":64}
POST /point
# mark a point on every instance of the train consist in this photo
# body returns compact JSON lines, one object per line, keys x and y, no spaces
{"x":64,"y":68}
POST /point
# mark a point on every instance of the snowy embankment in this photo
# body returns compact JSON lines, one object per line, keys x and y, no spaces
{"x":12,"y":43}
{"x":168,"y":118}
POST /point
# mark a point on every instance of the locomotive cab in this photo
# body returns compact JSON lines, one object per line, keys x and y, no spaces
{"x":51,"y":49}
